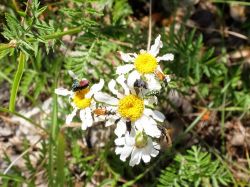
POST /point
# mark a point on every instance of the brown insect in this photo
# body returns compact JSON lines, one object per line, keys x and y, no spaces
{"x":166,"y":134}
{"x":103,"y":111}
{"x":209,"y":117}
{"x":161,"y":76}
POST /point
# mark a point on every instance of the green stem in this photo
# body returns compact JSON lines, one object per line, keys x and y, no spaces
{"x":59,"y":34}
{"x":223,"y":121}
{"x":45,"y":37}
{"x":53,"y":129}
{"x":4,"y":47}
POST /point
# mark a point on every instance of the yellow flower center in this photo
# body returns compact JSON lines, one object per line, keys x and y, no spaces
{"x":79,"y":99}
{"x":131,"y":107}
{"x":145,"y":63}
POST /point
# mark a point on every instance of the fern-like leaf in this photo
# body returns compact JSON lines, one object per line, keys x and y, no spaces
{"x":196,"y":168}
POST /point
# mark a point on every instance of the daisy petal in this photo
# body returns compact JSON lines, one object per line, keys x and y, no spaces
{"x":69,"y":117}
{"x":120,"y":128}
{"x":120,"y":141}
{"x":135,"y":157}
{"x":95,"y":88}
{"x":88,"y":121}
{"x":72,"y":74}
{"x":111,"y":120}
{"x":153,"y":84}
{"x":149,"y":126}
{"x":118,"y":150}
{"x":154,"y":50}
{"x":106,"y":98}
{"x":158,"y":116}
{"x":146,"y":157}
{"x":151,"y":129}
{"x":155,"y":114}
{"x":99,"y":118}
{"x":166,"y":57}
{"x":63,"y":91}
{"x":125,"y":152}
{"x":132,"y":77}
{"x":121,"y":80}
{"x":127,"y":57}
{"x":114,"y":91}
{"x":154,"y":152}
{"x":89,"y":118}
{"x":83,"y":118}
{"x":124,"y":69}
{"x":138,"y":125}
{"x":130,"y":137}
{"x":156,"y":145}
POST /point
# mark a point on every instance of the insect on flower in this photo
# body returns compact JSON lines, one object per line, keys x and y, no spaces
{"x":166,"y":133}
{"x":161,"y":76}
{"x":145,"y":65}
{"x":139,"y":83}
{"x":81,"y":99}
{"x":79,"y":85}
{"x":103,"y":111}
{"x":130,"y":107}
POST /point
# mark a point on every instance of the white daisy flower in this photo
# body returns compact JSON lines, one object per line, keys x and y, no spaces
{"x":145,"y":65}
{"x":81,"y":100}
{"x":138,"y":145}
{"x":131,"y":108}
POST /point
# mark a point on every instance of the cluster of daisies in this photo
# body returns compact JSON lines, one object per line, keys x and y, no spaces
{"x":130,"y":106}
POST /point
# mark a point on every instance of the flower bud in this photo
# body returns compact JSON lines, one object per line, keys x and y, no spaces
{"x":141,"y":140}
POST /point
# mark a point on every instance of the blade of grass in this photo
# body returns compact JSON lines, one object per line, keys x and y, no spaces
{"x":61,"y":145}
{"x":232,"y":2}
{"x":13,"y":178}
{"x":195,"y":122}
{"x":52,"y":141}
{"x":53,"y":129}
{"x":16,"y":82}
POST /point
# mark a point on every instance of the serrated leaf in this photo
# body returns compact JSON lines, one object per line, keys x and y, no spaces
{"x":27,"y":45}
{"x":22,"y":13}
{"x":14,"y":25}
{"x":28,"y":79}
{"x":43,"y":26}
{"x":121,"y":10}
{"x":3,"y":53}
{"x":40,"y":11}
{"x":93,"y":11}
{"x":191,"y":168}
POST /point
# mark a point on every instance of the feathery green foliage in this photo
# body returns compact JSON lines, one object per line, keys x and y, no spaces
{"x":84,"y":36}
{"x":195,"y":168}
